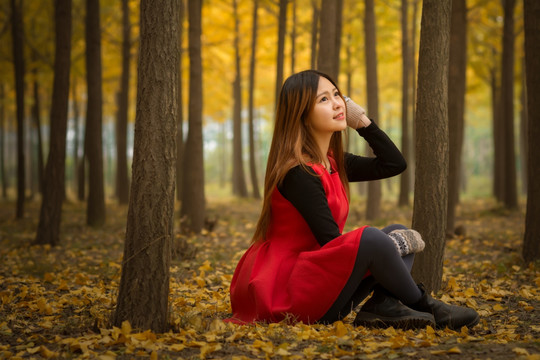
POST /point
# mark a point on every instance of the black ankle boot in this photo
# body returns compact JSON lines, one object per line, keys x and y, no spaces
{"x":383,"y":310}
{"x":451,"y":316}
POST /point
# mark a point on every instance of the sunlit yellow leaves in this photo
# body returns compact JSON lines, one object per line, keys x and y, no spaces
{"x":454,"y":350}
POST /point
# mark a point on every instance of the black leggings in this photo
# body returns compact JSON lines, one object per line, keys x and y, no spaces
{"x":378,"y":254}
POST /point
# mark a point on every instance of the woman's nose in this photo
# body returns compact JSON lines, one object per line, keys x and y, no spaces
{"x":338,"y":102}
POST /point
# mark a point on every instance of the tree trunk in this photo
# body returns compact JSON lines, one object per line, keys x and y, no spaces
{"x":328,"y":57}
{"x":498,"y":141}
{"x":430,"y":191}
{"x":373,"y":205}
{"x":314,"y":32}
{"x":180,"y":127}
{"x":144,"y":286}
{"x":3,"y":177}
{"x":404,"y":183}
{"x":193,"y":203}
{"x":76,"y":135}
{"x":18,"y":62}
{"x":238,"y":176}
{"x":507,"y":103}
{"x":457,"y":68}
{"x":253,"y":59}
{"x":95,"y":215}
{"x":293,"y":37}
{"x":282,"y":28}
{"x":412,"y":166}
{"x":122,"y":178}
{"x":50,"y":217}
{"x":37,"y":123}
{"x":531,"y":240}
{"x":523,"y":127}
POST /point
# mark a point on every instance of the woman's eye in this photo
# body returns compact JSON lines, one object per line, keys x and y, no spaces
{"x":336,"y":93}
{"x":324,"y":98}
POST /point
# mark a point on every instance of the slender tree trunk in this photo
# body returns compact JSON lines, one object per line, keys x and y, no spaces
{"x":431,"y":191}
{"x":193,"y":203}
{"x":18,"y":61}
{"x":238,"y":175}
{"x":412,"y":165}
{"x":328,"y":57}
{"x":95,"y":215}
{"x":507,"y":103}
{"x":293,"y":37}
{"x":180,"y":127}
{"x":76,"y":136}
{"x":373,"y":206}
{"x":404,"y":183}
{"x":144,"y":286}
{"x":456,"y":105}
{"x":498,"y":139}
{"x":50,"y":217}
{"x":253,"y":59}
{"x":531,"y":240}
{"x":282,"y":28}
{"x":37,"y":123}
{"x":314,"y":32}
{"x":3,"y":177}
{"x":523,"y":128}
{"x":122,"y":178}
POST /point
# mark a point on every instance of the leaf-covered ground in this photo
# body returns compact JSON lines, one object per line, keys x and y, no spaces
{"x":57,"y":302}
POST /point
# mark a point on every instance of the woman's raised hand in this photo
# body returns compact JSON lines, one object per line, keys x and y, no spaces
{"x":356,"y":115}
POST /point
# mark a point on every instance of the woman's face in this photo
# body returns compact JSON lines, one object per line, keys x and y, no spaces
{"x":328,"y":113}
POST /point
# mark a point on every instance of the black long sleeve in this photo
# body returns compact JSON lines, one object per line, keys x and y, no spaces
{"x":305,"y":191}
{"x":387,"y":162}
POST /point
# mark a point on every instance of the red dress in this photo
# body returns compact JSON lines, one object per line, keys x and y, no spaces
{"x":290,"y":274}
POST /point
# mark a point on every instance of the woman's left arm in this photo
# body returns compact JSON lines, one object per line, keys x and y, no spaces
{"x":388,"y":160}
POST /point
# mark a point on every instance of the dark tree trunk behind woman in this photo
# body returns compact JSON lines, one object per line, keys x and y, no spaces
{"x":54,"y":176}
{"x":18,"y":62}
{"x":95,"y":215}
{"x":531,"y":241}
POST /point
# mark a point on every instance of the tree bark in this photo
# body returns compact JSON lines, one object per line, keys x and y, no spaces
{"x":18,"y":62}
{"x":404,"y":183}
{"x":3,"y":177}
{"x":431,"y":191}
{"x":328,"y":56}
{"x":373,"y":205}
{"x":144,"y":286}
{"x":282,"y":28}
{"x":531,"y":240}
{"x":252,"y":161}
{"x":122,"y":178}
{"x":523,"y":127}
{"x":180,"y":127}
{"x":293,"y":37}
{"x":76,"y":135}
{"x":48,"y":231}
{"x":95,"y":215}
{"x":36,"y":116}
{"x":238,"y":175}
{"x":314,"y":32}
{"x":193,"y":203}
{"x":507,"y":103}
{"x":498,"y":141}
{"x":456,"y":105}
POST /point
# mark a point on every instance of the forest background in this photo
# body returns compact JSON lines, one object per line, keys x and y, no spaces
{"x":484,"y":50}
{"x":239,"y":81}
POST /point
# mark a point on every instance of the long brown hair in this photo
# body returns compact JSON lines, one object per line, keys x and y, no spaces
{"x":292,"y":142}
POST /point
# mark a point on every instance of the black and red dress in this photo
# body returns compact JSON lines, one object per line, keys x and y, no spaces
{"x":306,"y":262}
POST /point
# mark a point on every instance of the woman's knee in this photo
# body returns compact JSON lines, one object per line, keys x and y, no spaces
{"x":376,"y":241}
{"x":393,"y":227}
